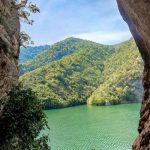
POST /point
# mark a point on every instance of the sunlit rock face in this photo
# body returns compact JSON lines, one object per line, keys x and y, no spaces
{"x":137,"y":14}
{"x":9,"y":45}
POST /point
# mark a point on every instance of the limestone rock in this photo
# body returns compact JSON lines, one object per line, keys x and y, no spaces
{"x":137,"y":14}
{"x":9,"y":45}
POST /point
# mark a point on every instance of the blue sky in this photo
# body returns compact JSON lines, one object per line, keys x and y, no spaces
{"x":95,"y":20}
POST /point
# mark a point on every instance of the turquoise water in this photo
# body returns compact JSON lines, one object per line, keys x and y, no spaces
{"x":93,"y":128}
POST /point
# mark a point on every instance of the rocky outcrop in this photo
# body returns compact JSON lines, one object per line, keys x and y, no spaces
{"x":137,"y":89}
{"x":9,"y":45}
{"x":137,"y":14}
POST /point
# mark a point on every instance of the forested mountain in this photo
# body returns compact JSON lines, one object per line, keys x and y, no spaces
{"x":75,"y":71}
{"x":30,"y":52}
{"x":56,"y":52}
{"x":72,"y":79}
{"x":122,"y":77}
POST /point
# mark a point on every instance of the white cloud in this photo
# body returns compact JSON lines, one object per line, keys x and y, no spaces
{"x":102,"y":37}
{"x":100,"y":22}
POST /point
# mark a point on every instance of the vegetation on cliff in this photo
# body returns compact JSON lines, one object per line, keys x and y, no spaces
{"x":21,"y":115}
{"x":22,"y":121}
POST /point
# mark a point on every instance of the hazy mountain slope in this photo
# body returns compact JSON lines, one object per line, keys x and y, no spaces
{"x":70,"y":80}
{"x":30,"y":52}
{"x":122,"y":77}
{"x":56,"y":52}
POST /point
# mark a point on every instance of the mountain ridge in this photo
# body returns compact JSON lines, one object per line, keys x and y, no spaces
{"x":78,"y":73}
{"x":29,"y":52}
{"x":55,"y":52}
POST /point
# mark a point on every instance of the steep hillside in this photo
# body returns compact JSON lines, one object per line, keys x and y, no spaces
{"x":72,"y":79}
{"x":29,"y":52}
{"x":122,"y":77}
{"x":56,"y":52}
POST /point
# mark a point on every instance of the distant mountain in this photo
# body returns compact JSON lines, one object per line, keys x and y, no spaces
{"x":68,"y":80}
{"x":122,"y":77}
{"x":56,"y":52}
{"x":30,"y":52}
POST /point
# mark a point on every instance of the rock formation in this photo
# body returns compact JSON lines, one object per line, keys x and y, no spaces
{"x":137,"y":14}
{"x":9,"y":45}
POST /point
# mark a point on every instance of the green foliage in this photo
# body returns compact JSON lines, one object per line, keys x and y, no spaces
{"x":102,"y":74}
{"x":56,"y":52}
{"x":22,"y":121}
{"x":122,"y":69}
{"x":70,"y":80}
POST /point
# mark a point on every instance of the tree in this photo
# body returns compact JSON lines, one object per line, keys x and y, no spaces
{"x":22,"y":122}
{"x":25,"y":8}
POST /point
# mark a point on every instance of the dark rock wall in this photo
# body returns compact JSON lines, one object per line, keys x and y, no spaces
{"x":9,"y":45}
{"x":137,"y":14}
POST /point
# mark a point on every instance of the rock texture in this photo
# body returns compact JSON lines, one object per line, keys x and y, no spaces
{"x":9,"y":45}
{"x":137,"y":89}
{"x":137,"y":14}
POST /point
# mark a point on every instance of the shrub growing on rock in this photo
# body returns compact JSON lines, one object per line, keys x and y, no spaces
{"x":22,"y":121}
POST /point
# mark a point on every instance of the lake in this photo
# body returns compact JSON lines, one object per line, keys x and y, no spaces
{"x":93,"y":127}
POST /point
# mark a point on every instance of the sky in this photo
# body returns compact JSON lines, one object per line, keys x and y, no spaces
{"x":95,"y":20}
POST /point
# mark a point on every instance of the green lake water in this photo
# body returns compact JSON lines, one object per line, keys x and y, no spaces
{"x":93,"y":127}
